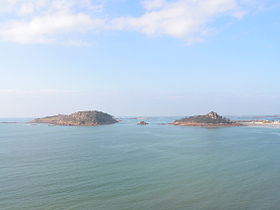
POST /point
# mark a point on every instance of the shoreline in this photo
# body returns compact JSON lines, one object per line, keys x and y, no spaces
{"x":258,"y":123}
{"x":239,"y":123}
{"x":205,"y":125}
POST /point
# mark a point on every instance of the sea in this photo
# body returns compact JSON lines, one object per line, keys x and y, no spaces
{"x":129,"y":167}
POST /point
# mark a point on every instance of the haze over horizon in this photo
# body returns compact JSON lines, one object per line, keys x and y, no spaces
{"x":140,"y":58}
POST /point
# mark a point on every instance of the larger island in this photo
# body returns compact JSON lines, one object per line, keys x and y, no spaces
{"x":82,"y":118}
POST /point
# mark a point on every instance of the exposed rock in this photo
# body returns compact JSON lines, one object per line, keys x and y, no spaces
{"x":142,"y":123}
{"x":82,"y":118}
{"x":208,"y":120}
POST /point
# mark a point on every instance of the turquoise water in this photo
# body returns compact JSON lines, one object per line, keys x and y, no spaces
{"x":129,"y":167}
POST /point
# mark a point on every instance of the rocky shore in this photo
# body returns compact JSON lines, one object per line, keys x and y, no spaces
{"x":82,"y":118}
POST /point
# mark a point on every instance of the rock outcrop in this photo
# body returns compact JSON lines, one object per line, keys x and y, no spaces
{"x":208,"y":120}
{"x":82,"y":118}
{"x":142,"y":123}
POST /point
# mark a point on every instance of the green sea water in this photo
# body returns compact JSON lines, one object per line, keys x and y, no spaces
{"x":130,"y":167}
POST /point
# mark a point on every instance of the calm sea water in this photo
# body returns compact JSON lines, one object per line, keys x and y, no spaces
{"x":130,"y":167}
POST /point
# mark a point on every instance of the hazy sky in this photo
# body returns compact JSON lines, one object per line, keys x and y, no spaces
{"x":142,"y":57}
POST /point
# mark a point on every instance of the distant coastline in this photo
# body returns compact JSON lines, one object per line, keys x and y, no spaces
{"x":212,"y":119}
{"x":67,"y":120}
{"x":95,"y":118}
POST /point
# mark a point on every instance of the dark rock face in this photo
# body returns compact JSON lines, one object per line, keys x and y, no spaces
{"x":83,"y":118}
{"x":142,"y":123}
{"x":210,"y":119}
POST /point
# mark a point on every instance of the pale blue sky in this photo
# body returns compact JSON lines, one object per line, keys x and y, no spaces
{"x":150,"y":57}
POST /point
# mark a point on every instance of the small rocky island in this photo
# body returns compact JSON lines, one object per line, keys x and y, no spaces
{"x":82,"y":118}
{"x":212,"y":119}
{"x":142,"y":123}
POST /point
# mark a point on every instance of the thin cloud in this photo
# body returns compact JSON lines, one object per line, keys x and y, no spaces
{"x":50,"y":21}
{"x":47,"y":28}
{"x":47,"y":21}
{"x":36,"y":92}
{"x":185,"y":19}
{"x":7,"y":91}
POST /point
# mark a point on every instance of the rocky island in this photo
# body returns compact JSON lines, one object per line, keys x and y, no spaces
{"x":212,"y":119}
{"x":82,"y":118}
{"x":142,"y":123}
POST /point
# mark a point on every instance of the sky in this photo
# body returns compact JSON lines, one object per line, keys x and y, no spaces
{"x":139,"y":58}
